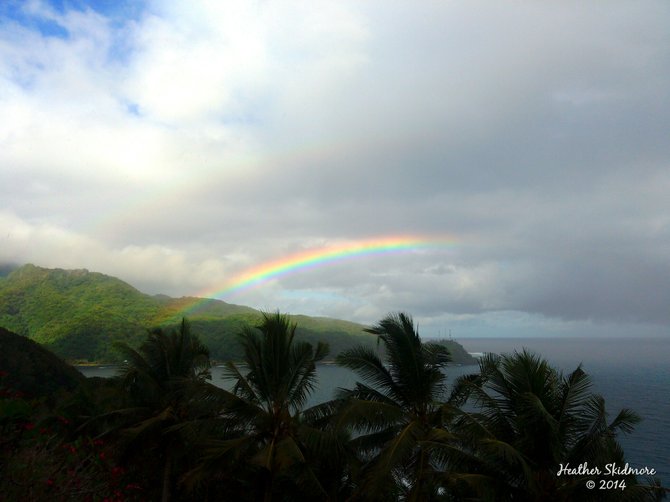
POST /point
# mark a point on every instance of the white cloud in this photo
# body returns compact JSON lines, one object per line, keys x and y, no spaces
{"x":189,"y":142}
{"x":152,"y":268}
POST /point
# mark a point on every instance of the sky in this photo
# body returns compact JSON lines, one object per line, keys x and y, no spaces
{"x":179,"y":144}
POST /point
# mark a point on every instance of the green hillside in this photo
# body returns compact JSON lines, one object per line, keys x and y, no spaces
{"x":78,"y":315}
{"x":74,"y":313}
{"x":458,"y":353}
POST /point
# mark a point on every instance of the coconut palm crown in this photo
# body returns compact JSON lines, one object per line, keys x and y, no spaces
{"x":399,"y":404}
{"x":162,"y":379}
{"x":263,"y":427}
{"x":529,"y":420}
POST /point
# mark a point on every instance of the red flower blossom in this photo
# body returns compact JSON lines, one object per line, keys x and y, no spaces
{"x":117,"y":471}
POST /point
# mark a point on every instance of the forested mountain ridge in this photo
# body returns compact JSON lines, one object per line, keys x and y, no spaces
{"x":79,"y":315}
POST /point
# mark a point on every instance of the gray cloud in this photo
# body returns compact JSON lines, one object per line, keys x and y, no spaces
{"x":180,"y":146}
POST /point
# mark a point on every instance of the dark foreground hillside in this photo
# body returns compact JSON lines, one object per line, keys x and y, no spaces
{"x":31,"y":369}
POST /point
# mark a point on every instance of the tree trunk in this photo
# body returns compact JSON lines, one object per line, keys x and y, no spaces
{"x":167,"y":474}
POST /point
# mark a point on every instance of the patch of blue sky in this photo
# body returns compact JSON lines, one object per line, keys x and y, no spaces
{"x":16,"y":12}
{"x":117,"y":12}
{"x":25,"y":76}
{"x":133,"y":109}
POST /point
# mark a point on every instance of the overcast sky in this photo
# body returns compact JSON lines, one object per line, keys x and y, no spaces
{"x":174,"y":144}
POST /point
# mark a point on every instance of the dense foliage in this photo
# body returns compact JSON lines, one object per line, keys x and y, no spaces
{"x":161,"y":431}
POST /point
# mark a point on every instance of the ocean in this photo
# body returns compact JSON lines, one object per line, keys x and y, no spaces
{"x":628,"y":372}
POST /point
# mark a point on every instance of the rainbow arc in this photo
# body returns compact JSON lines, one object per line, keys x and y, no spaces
{"x":313,"y":258}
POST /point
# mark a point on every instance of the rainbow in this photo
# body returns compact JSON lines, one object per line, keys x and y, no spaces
{"x":313,"y":258}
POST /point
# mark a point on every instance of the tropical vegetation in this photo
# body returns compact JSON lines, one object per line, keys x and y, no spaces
{"x":81,"y":315}
{"x":397,"y":412}
{"x":162,"y":431}
{"x":528,"y":421}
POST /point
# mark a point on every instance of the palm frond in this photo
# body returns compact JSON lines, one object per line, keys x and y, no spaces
{"x":393,"y":455}
{"x":242,"y":386}
{"x":301,"y":375}
{"x":509,"y":458}
{"x":367,"y":364}
{"x":365,"y":415}
{"x":574,"y":392}
{"x":463,"y":387}
{"x":625,"y":421}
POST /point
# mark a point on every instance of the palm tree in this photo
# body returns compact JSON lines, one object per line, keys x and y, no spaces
{"x":530,"y":420}
{"x":162,"y":379}
{"x":400,"y":407}
{"x":264,"y":427}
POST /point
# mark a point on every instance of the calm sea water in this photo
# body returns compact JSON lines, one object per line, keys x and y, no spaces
{"x":629,"y":373}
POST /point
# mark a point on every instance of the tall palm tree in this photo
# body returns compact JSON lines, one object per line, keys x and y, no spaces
{"x":162,"y":379}
{"x":264,"y":424}
{"x":530,"y":419}
{"x":400,"y":406}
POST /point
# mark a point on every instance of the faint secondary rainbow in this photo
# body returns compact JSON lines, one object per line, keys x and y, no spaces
{"x":314,"y":258}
